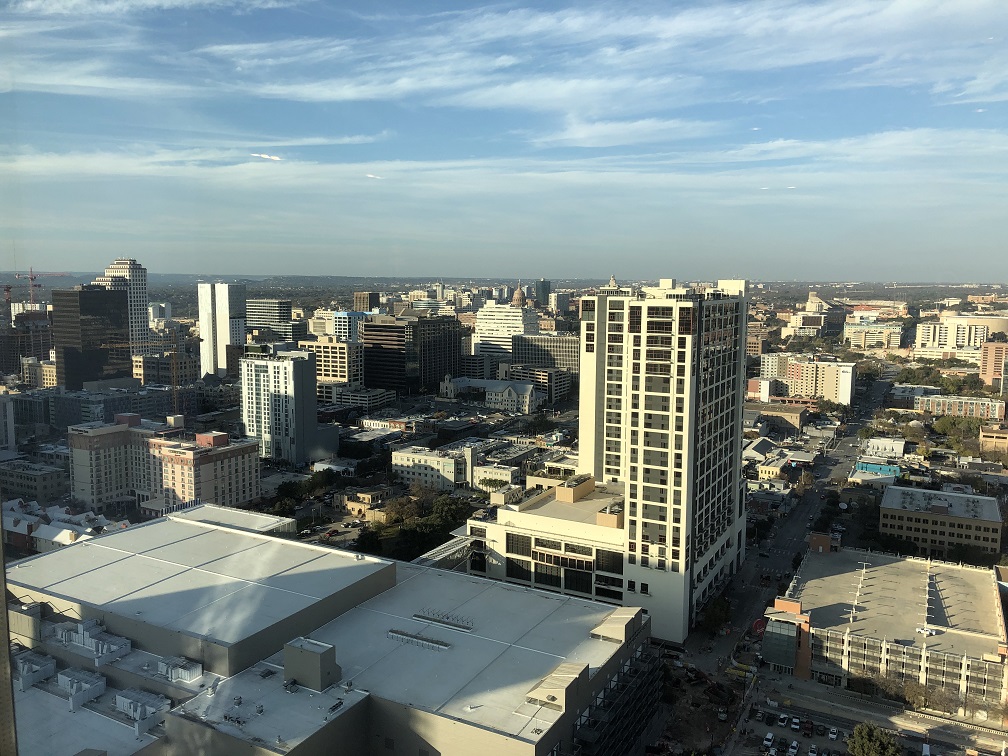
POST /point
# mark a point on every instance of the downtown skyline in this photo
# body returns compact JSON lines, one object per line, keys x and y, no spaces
{"x":777,"y":140}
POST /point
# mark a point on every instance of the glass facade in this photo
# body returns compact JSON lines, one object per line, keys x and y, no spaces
{"x":91,"y":335}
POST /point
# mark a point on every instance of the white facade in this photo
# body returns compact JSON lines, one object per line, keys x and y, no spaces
{"x":497,"y":323}
{"x":958,"y":332}
{"x":808,"y":377}
{"x":126,"y":274}
{"x":662,"y":391}
{"x":279,"y":404}
{"x":221,"y":323}
{"x":342,"y":325}
{"x":440,"y":470}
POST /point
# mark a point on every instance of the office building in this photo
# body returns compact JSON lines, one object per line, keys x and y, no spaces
{"x":993,"y":358}
{"x":337,"y":361}
{"x":342,"y":325}
{"x":91,"y":332}
{"x":158,"y":311}
{"x":961,"y":406}
{"x":265,"y":644}
{"x":550,"y":350}
{"x":33,"y":481}
{"x":366,"y":301}
{"x":938,"y":520}
{"x":126,"y":274}
{"x":496,"y":324}
{"x":269,"y":320}
{"x":38,"y":373}
{"x":662,"y":378}
{"x":279,"y":404}
{"x":410,"y":353}
{"x":559,"y":301}
{"x":543,"y":289}
{"x":174,"y":368}
{"x":221,"y":324}
{"x":857,"y":619}
{"x":756,"y":346}
{"x":134,"y":462}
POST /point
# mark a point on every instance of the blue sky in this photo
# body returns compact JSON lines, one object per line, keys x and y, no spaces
{"x":855,"y":139}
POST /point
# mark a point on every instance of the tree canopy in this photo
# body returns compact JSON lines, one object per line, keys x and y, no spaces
{"x":871,"y":740}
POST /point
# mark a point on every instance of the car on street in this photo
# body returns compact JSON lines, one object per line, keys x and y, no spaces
{"x":768,"y":740}
{"x":833,"y":733}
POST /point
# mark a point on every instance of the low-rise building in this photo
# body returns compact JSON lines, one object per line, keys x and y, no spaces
{"x":903,"y":395}
{"x":961,"y":406}
{"x":994,"y":438}
{"x":508,"y":396}
{"x":437,"y":469}
{"x":939,"y":520}
{"x":873,"y":335}
{"x":854,"y":618}
{"x":33,"y":481}
{"x":553,"y":383}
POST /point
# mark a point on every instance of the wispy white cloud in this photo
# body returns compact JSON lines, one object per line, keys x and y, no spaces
{"x":115,"y":7}
{"x":579,"y":133}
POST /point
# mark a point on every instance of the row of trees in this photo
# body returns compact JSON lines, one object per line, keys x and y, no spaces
{"x":414,"y":524}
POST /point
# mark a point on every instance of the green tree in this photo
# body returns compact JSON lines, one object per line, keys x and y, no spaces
{"x":999,"y":337}
{"x":871,"y":740}
{"x":492,"y":484}
{"x":369,"y":541}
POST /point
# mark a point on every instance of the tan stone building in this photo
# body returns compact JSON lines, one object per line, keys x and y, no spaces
{"x":938,"y":520}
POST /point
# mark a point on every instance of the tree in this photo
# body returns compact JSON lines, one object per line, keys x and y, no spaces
{"x":492,"y":484}
{"x":871,"y":740}
{"x":369,"y":541}
{"x":999,"y":337}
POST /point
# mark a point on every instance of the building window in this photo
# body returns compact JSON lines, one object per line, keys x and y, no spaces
{"x":519,"y":544}
{"x":644,"y":589}
{"x":631,"y":585}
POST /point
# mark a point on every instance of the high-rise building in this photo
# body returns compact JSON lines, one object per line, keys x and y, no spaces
{"x":221,"y":324}
{"x":273,"y":320}
{"x":804,"y":376}
{"x":410,"y":353}
{"x":342,"y":325}
{"x":366,"y":301}
{"x":279,"y":403}
{"x":91,"y":333}
{"x":336,"y":361}
{"x":126,"y":274}
{"x":559,"y":301}
{"x":542,"y":293}
{"x":559,"y":350}
{"x":662,"y":391}
{"x":497,"y":323}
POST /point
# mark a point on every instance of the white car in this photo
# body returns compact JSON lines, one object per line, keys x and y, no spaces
{"x":813,"y":750}
{"x":833,"y":733}
{"x":927,"y":631}
{"x":795,"y":724}
{"x":768,"y":740}
{"x":793,"y":749}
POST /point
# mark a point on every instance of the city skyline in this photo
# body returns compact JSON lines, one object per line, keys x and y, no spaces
{"x":746,"y":139}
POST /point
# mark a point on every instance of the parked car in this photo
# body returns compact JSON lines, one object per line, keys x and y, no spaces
{"x":795,"y":724}
{"x":793,"y":748}
{"x":808,"y":728}
{"x":782,"y":720}
{"x":833,"y":733}
{"x":813,"y":750}
{"x":768,"y":740}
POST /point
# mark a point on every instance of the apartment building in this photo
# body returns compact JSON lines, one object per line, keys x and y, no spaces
{"x":439,"y":469}
{"x":179,"y":368}
{"x":937,"y":520}
{"x":994,"y":438}
{"x":661,"y":397}
{"x":873,"y":335}
{"x":961,"y":406}
{"x":337,"y":361}
{"x":957,"y":336}
{"x":343,"y":325}
{"x":33,"y":481}
{"x":805,"y":376}
{"x":993,"y":359}
{"x":279,"y":403}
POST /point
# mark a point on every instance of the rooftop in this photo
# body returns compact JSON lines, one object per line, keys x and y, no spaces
{"x":477,"y":667}
{"x":194,"y":577}
{"x":893,"y":594}
{"x":942,"y":502}
{"x":583,"y":510}
{"x":242,"y":519}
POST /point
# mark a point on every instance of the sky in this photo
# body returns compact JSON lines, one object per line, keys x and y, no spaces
{"x":787,"y":139}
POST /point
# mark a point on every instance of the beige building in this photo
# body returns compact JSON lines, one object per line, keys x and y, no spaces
{"x":137,"y":462}
{"x":994,"y":438}
{"x":167,"y":368}
{"x":337,"y":361}
{"x":33,"y":482}
{"x":437,"y":469}
{"x":38,"y":374}
{"x":873,"y":335}
{"x":661,"y":393}
{"x":993,"y":359}
{"x":938,"y":520}
{"x":805,"y":376}
{"x":982,"y":407}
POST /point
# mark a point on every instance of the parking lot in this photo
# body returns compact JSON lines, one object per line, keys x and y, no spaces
{"x":785,"y":733}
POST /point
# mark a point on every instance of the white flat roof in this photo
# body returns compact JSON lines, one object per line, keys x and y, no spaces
{"x":233,"y":518}
{"x":194,"y":577}
{"x":45,"y":725}
{"x":935,"y":502}
{"x":518,"y":637}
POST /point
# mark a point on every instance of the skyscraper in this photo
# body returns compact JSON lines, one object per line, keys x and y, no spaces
{"x":126,"y":274}
{"x":542,"y":292}
{"x":274,"y":317}
{"x":279,"y":403}
{"x":662,"y":390}
{"x":410,"y":353}
{"x":91,"y":335}
{"x":221,"y":324}
{"x":497,"y":323}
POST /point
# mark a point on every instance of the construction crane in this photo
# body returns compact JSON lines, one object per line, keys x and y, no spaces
{"x":31,"y":275}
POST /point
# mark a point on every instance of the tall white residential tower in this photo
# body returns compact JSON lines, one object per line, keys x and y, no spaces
{"x":279,"y":405}
{"x":126,"y":274}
